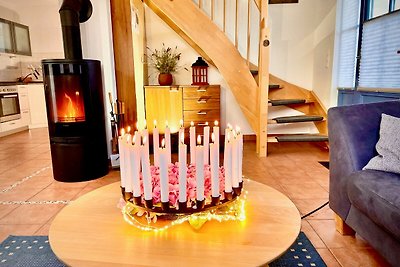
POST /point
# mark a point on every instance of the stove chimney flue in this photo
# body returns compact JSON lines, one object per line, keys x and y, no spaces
{"x":72,"y":13}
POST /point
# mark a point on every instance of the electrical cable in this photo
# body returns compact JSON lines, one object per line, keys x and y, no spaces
{"x":317,"y":209}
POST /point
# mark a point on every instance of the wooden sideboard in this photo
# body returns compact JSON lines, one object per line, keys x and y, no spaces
{"x":199,"y":104}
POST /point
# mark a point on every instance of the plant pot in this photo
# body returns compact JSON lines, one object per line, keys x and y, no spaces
{"x":165,"y":78}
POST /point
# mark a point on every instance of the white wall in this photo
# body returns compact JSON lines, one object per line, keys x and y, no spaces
{"x":96,"y":36}
{"x":302,"y":41}
{"x":158,"y":32}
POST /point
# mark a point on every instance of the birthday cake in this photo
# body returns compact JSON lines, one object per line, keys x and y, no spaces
{"x":180,"y":188}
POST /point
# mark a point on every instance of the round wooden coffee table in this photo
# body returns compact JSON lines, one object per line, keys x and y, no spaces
{"x":91,"y":231}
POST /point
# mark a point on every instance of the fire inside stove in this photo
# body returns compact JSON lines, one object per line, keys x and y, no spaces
{"x":70,"y":108}
{"x":70,"y":103}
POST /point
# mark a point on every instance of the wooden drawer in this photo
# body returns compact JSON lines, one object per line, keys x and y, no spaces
{"x":208,"y":91}
{"x":201,"y":115}
{"x":201,"y":103}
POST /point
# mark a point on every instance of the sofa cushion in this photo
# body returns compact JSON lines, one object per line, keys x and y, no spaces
{"x":388,"y":146}
{"x":377,"y":194}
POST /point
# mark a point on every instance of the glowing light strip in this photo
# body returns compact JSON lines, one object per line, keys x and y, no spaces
{"x":236,"y":212}
{"x":11,"y":187}
{"x":40,"y":202}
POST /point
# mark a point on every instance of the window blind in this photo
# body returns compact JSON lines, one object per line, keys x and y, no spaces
{"x":348,"y":36}
{"x":380,"y":59}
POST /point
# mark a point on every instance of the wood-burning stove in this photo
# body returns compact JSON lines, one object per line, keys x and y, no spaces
{"x":75,"y":105}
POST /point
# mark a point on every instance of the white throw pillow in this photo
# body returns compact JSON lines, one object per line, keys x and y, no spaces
{"x":388,"y":146}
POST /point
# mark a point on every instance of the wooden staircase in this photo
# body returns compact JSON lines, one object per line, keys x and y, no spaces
{"x":254,"y":90}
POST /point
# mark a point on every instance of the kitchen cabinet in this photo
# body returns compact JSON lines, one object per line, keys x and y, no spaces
{"x":6,"y":43}
{"x":37,"y":106}
{"x":22,"y":43}
{"x":24,"y":106}
{"x":14,"y":38}
{"x":163,"y":103}
{"x":200,"y":104}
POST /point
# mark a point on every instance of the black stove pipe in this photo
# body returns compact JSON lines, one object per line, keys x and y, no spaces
{"x":73,"y":12}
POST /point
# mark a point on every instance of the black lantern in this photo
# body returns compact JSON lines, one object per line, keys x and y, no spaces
{"x":200,"y":72}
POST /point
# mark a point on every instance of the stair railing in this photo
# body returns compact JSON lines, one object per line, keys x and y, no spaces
{"x":256,"y":52}
{"x":246,"y":36}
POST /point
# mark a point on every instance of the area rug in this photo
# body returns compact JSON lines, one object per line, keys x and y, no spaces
{"x":35,"y":251}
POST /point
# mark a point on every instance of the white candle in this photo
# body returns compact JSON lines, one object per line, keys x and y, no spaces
{"x":216,"y":136}
{"x":206,"y":142}
{"x":127,"y":155}
{"x":199,"y":170}
{"x":145,"y":161}
{"x":182,"y":169}
{"x":163,"y":172}
{"x":235,"y":161}
{"x":121,"y":149}
{"x":156,"y":143}
{"x":192,"y":132}
{"x":168,"y":142}
{"x":145,"y":135}
{"x":134,"y":151}
{"x":228,"y":162}
{"x":214,"y":165}
{"x":240,"y":149}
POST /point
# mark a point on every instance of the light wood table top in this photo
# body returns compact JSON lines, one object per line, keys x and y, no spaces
{"x":91,"y":231}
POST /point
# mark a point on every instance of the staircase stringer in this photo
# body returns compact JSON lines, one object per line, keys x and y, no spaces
{"x":202,"y":34}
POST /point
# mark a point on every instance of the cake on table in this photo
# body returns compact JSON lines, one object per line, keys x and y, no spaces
{"x":180,"y":188}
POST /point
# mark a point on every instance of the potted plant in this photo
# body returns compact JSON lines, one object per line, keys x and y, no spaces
{"x":165,"y":61}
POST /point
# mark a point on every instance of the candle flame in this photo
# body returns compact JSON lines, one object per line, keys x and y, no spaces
{"x":229,"y":126}
{"x":237,"y":129}
{"x":199,"y":140}
{"x":191,"y":123}
{"x":229,"y":136}
{"x":137,"y":126}
{"x":213,"y":137}
{"x":128,"y":139}
{"x":129,"y":129}
{"x":166,"y":124}
{"x":163,"y":143}
{"x":155,"y":123}
{"x":182,"y":137}
{"x":134,"y":139}
{"x":145,"y":124}
{"x":216,"y":123}
{"x":181,"y":123}
{"x":206,"y":123}
{"x":77,"y":93}
{"x":122,"y":132}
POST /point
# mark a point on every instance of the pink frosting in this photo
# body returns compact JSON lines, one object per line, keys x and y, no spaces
{"x":173,"y":176}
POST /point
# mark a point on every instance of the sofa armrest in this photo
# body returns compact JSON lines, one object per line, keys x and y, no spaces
{"x":353,"y":133}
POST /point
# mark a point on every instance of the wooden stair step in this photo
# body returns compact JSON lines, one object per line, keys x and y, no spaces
{"x":283,"y":102}
{"x":299,"y":138}
{"x":293,"y":119}
{"x":275,"y":86}
{"x":273,"y":2}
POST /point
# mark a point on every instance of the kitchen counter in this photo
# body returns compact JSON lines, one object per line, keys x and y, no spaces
{"x":18,"y":83}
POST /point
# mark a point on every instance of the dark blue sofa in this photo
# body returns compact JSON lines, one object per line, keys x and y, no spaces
{"x":367,"y":201}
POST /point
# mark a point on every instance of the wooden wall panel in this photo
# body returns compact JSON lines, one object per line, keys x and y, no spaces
{"x":123,"y":57}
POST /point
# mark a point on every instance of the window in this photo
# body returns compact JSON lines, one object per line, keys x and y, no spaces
{"x":348,"y":11}
{"x":380,"y":60}
{"x":376,"y":8}
{"x":396,"y":4}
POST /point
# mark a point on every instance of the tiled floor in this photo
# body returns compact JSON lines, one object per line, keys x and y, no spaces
{"x":290,"y":168}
